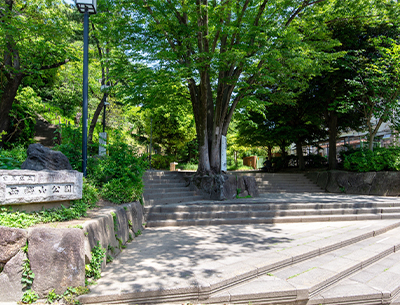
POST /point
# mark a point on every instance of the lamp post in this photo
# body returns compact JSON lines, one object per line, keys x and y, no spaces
{"x":86,"y":7}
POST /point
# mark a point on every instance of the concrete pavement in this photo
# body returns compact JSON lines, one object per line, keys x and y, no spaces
{"x":290,"y":263}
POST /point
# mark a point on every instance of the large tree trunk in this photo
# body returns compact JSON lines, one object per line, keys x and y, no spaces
{"x":332,"y":126}
{"x":299,"y":151}
{"x":372,"y":134}
{"x":96,"y":115}
{"x":7,"y":100}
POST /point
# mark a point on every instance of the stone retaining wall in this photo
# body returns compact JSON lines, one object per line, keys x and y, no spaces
{"x":58,"y":256}
{"x":369,"y":183}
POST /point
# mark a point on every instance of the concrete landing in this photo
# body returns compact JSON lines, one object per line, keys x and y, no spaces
{"x":288,"y":263}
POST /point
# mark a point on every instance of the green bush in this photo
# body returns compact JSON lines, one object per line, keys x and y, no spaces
{"x":119,"y":173}
{"x":22,"y":125}
{"x":12,"y":158}
{"x":161,"y":162}
{"x":365,"y":160}
{"x":71,"y":145}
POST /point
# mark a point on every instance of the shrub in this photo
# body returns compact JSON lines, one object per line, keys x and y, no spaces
{"x":364,"y":160}
{"x":161,"y":162}
{"x":13,"y":158}
{"x":119,"y":173}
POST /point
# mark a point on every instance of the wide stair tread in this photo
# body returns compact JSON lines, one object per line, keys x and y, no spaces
{"x":353,"y":274}
{"x":283,"y":183}
{"x":203,"y":214}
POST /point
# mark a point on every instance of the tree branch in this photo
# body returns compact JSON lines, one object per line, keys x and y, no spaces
{"x":56,"y":65}
{"x":298,"y":10}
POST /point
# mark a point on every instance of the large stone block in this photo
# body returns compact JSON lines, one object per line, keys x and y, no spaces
{"x":57,"y":258}
{"x":10,"y":279}
{"x":41,"y":158}
{"x":386,"y":184}
{"x":322,"y":180}
{"x":251,"y":185}
{"x":135,"y":215}
{"x":11,"y":242}
{"x":100,"y":230}
{"x":25,"y":186}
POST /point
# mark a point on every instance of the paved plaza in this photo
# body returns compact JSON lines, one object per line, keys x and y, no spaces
{"x":294,"y":263}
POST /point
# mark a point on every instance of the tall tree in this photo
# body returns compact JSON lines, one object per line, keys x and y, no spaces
{"x":375,"y":90}
{"x":225,"y":49}
{"x":34,"y":38}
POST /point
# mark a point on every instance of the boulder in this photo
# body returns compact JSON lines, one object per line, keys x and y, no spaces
{"x":43,"y":158}
{"x":230,"y":188}
{"x":10,"y":279}
{"x":251,"y":185}
{"x":57,"y":258}
{"x":11,"y":241}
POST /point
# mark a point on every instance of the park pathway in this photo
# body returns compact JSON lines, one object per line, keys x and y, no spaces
{"x":320,"y":262}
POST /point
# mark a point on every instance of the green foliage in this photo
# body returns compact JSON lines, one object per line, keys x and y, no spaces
{"x":365,"y":160}
{"x":139,"y":232}
{"x":161,"y":162}
{"x":27,"y":275}
{"x":70,"y":294}
{"x":12,"y":158}
{"x":188,"y":166}
{"x":52,"y":297}
{"x":29,"y":297}
{"x":71,"y":145}
{"x":115,"y":220}
{"x":109,"y":258}
{"x":119,"y":174}
{"x":22,"y":125}
{"x":93,"y":269}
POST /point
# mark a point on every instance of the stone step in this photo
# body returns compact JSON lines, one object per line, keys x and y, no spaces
{"x":157,"y":195}
{"x":316,"y":276}
{"x":172,"y":200}
{"x":268,"y":220}
{"x":162,"y":190}
{"x":270,"y":277}
{"x":164,"y":185}
{"x":381,"y":207}
{"x":378,"y":283}
{"x":259,"y":214}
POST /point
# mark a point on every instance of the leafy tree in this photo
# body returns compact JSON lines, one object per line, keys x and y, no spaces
{"x":227,"y":50}
{"x":375,"y":90}
{"x":34,"y":38}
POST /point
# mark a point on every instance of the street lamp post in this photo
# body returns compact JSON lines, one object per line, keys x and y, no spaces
{"x":86,"y":7}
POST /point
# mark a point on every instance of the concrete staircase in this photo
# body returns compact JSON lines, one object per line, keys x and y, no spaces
{"x":360,"y":270}
{"x":283,"y":183}
{"x":164,"y":187}
{"x":339,"y":265}
{"x":257,"y":210}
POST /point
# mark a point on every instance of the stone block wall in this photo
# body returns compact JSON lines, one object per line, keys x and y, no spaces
{"x":369,"y":183}
{"x":58,"y":256}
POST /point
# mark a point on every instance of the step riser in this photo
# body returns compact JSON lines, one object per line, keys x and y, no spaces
{"x":381,"y":208}
{"x":210,"y":216}
{"x":215,"y":222}
{"x":169,"y":195}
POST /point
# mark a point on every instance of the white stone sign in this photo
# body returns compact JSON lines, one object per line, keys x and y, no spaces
{"x":26,"y":186}
{"x":223,"y":154}
{"x":102,"y":142}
